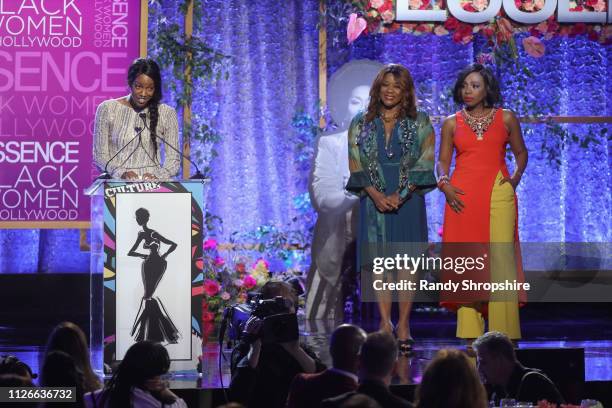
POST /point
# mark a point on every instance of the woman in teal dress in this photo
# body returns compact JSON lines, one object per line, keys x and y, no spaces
{"x":391,"y":160}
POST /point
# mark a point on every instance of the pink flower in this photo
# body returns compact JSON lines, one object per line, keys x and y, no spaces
{"x":483,"y":59}
{"x":440,"y":30}
{"x":211,"y":287}
{"x":219,"y":261}
{"x":423,"y":28}
{"x":210,"y":244}
{"x":355,"y":27}
{"x":415,"y":4}
{"x":533,"y":46}
{"x":249,"y":282}
{"x":408,"y":27}
{"x":539,"y":4}
{"x":376,"y":3}
{"x":225,"y":296}
{"x":387,"y":6}
{"x":600,"y":6}
{"x":463,"y":34}
{"x":505,"y":29}
{"x":387,"y":16}
{"x":469,"y":7}
{"x":480,"y":4}
{"x":597,"y":5}
{"x":265,"y":263}
{"x":238,"y":283}
{"x":487,"y":31}
{"x":542,"y":27}
{"x":451,"y":23}
{"x":528,"y":5}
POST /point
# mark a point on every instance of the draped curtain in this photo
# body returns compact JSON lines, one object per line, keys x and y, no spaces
{"x":273,"y":73}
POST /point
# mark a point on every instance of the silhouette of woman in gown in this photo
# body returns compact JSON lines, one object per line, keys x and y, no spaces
{"x":152,"y":321}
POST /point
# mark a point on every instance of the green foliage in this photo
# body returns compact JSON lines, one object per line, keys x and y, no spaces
{"x":193,"y":64}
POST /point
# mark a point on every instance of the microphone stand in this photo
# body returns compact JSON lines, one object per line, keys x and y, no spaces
{"x":106,"y":175}
{"x":198,"y":175}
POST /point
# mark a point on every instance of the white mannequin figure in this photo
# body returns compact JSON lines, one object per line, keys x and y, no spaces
{"x":336,"y":208}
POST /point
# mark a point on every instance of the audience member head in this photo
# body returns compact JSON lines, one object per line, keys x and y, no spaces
{"x":451,"y":380}
{"x":274,"y":288}
{"x":10,"y":364}
{"x":359,"y":401}
{"x":70,"y":339}
{"x":17,"y":381}
{"x":495,"y":357}
{"x":60,"y":370}
{"x":14,"y":380}
{"x":378,"y":356}
{"x":345,"y":345}
{"x":143,"y":361}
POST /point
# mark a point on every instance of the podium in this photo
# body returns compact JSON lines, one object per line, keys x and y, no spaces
{"x":146,"y":268}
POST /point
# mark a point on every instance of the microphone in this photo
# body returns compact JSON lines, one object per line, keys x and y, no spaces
{"x":106,"y":175}
{"x":198,"y":175}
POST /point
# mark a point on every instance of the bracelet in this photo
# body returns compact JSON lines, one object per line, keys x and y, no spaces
{"x":444,"y":179}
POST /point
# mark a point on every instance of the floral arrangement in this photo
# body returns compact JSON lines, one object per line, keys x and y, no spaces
{"x":227,"y":281}
{"x":377,"y":16}
{"x":253,"y":257}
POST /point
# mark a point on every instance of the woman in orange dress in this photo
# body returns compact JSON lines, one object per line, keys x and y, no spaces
{"x":481,"y":202}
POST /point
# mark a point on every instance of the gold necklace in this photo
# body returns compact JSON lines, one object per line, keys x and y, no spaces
{"x":388,"y":119}
{"x":479,"y":124}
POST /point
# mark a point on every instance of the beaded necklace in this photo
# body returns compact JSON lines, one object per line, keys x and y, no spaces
{"x":479,"y":124}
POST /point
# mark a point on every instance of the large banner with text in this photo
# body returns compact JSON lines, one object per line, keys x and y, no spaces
{"x":58,"y":60}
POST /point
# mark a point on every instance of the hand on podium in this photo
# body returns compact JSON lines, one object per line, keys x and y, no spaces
{"x":131,"y":175}
{"x":148,"y":176}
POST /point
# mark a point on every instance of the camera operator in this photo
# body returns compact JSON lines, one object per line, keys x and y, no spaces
{"x":265,"y":368}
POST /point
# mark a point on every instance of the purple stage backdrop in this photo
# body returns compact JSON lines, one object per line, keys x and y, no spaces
{"x":58,"y":60}
{"x":273,"y":74}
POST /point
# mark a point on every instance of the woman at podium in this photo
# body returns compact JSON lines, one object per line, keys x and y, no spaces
{"x":128,"y":130}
